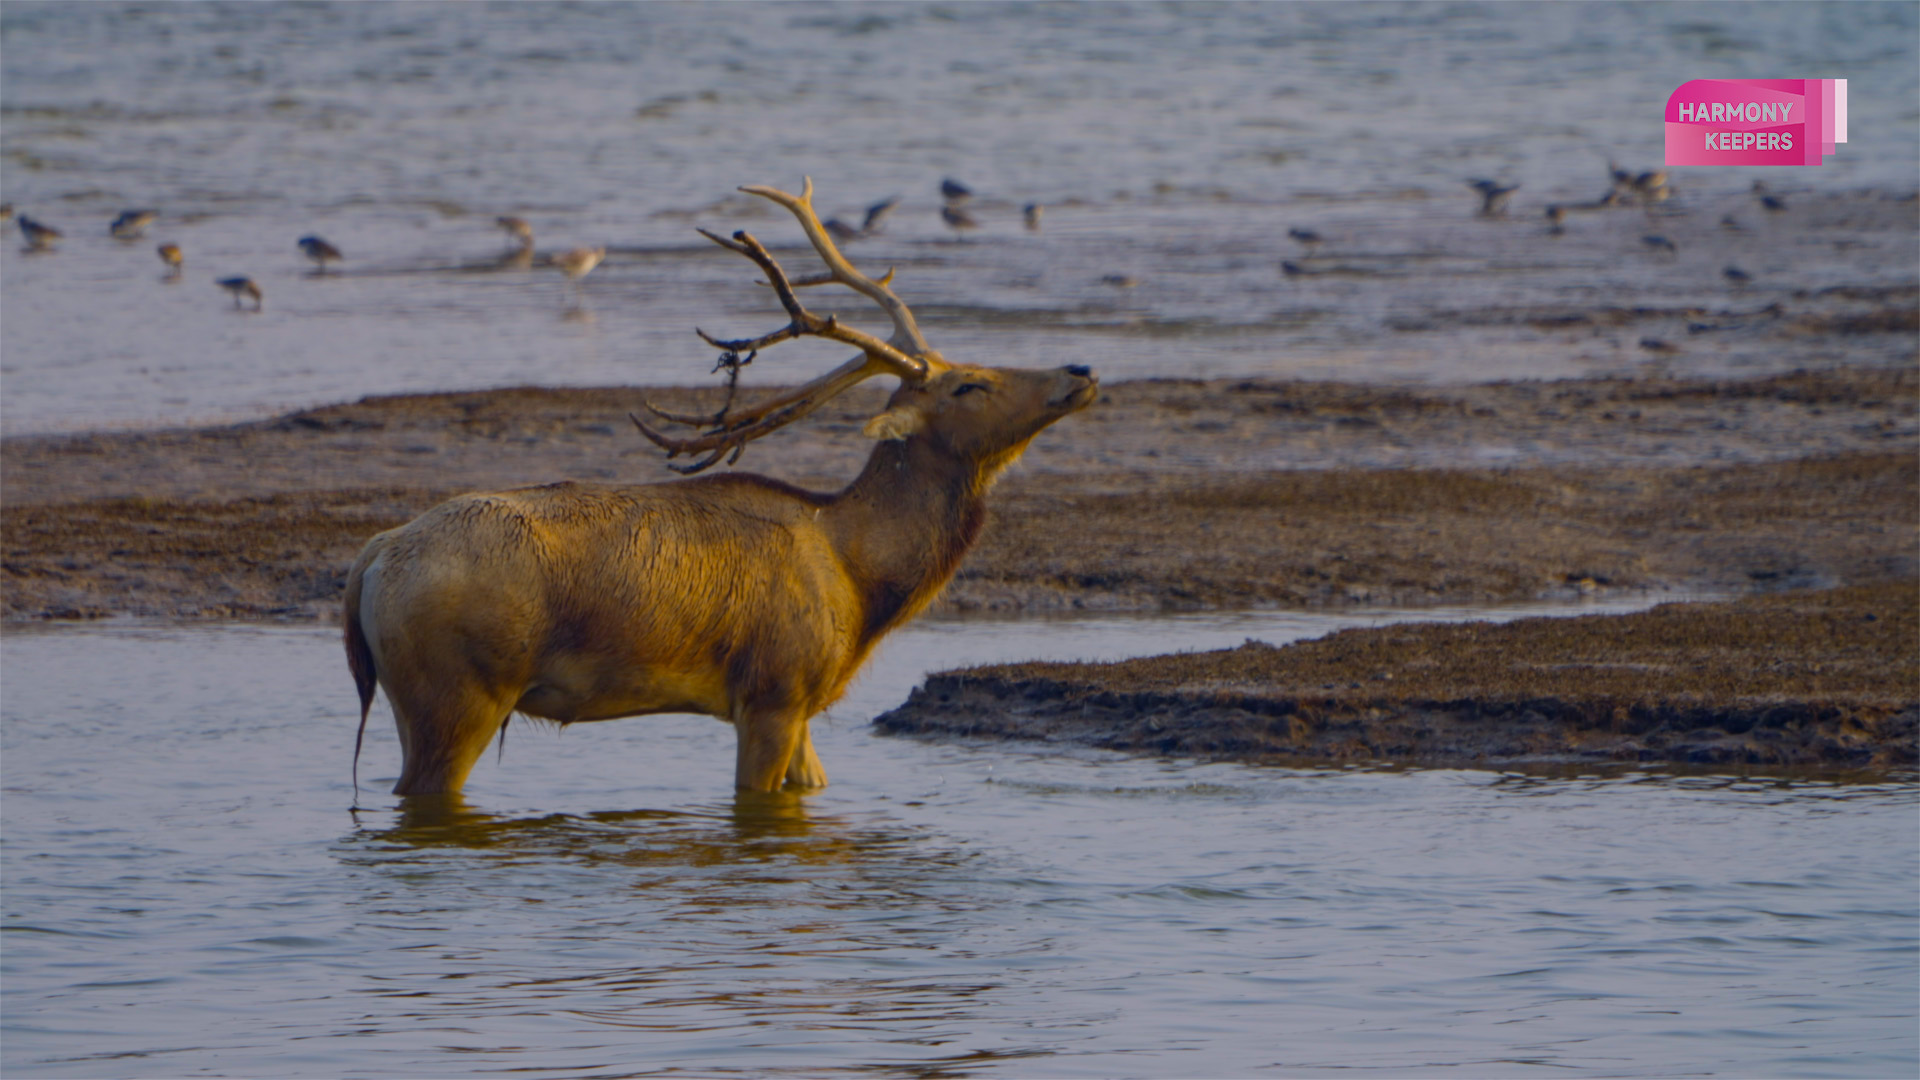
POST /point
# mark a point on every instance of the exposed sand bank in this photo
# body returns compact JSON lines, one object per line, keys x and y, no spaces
{"x":1825,"y":680}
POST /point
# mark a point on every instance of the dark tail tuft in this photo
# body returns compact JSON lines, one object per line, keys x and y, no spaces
{"x":360,"y":662}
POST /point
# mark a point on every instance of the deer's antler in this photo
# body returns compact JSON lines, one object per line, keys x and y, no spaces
{"x":906,"y":354}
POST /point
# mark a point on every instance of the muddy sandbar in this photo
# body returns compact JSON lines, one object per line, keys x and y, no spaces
{"x":1826,"y":680}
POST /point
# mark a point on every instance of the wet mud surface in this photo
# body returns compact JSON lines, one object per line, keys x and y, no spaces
{"x":1824,"y":680}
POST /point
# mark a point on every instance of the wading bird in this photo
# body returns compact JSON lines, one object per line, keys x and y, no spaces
{"x":131,"y":224}
{"x":516,"y":229}
{"x":170,"y":254}
{"x":876,"y":218}
{"x":320,"y":251}
{"x":1493,"y":196}
{"x":578,"y":263}
{"x":242,"y":286}
{"x":1306,"y":238}
{"x":1630,"y":187}
{"x":870,"y":224}
{"x":743,"y":598}
{"x":958,"y":220}
{"x":39,"y":237}
{"x":1652,"y":186}
{"x":1031,"y":212}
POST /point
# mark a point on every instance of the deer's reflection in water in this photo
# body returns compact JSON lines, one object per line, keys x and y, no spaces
{"x":712,"y":928}
{"x":699,"y":925}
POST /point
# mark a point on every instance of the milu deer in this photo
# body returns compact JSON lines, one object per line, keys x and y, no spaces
{"x":732,"y":595}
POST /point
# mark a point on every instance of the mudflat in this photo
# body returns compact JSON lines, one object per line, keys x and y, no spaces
{"x":1821,"y":681}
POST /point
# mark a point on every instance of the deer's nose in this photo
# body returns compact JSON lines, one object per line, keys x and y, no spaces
{"x":1081,"y":370}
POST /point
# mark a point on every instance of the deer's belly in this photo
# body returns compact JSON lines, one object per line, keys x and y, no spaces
{"x":572,"y":693}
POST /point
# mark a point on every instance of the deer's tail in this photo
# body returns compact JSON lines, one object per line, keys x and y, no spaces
{"x":359,"y":660}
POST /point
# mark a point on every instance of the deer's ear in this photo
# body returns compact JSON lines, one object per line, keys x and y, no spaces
{"x":896,"y":423}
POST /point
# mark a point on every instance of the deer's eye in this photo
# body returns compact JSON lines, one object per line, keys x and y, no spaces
{"x":965,"y":387}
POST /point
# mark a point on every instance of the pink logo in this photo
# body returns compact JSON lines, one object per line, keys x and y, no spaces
{"x":1756,"y":121}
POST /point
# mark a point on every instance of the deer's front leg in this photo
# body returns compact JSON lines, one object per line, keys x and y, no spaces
{"x":773,"y":747}
{"x":804,"y":768}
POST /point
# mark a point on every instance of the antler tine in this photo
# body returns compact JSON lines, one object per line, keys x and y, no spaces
{"x":733,"y":362}
{"x":785,"y":333}
{"x":681,"y":418}
{"x":906,"y":331}
{"x":812,"y":280}
{"x":733,"y":433}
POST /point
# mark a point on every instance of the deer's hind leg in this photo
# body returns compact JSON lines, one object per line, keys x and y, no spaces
{"x":443,"y":730}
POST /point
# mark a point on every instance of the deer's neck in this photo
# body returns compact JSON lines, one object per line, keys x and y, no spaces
{"x":902,"y":528}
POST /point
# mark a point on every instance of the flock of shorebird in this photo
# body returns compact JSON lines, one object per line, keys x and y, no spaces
{"x":954,"y":197}
{"x":1627,"y":188}
{"x":577,"y":263}
{"x":131,"y":225}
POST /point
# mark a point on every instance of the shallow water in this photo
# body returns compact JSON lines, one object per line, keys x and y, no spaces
{"x":187,"y":894}
{"x":1174,"y":146}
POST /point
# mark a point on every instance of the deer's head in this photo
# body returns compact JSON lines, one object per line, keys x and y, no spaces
{"x":983,"y":413}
